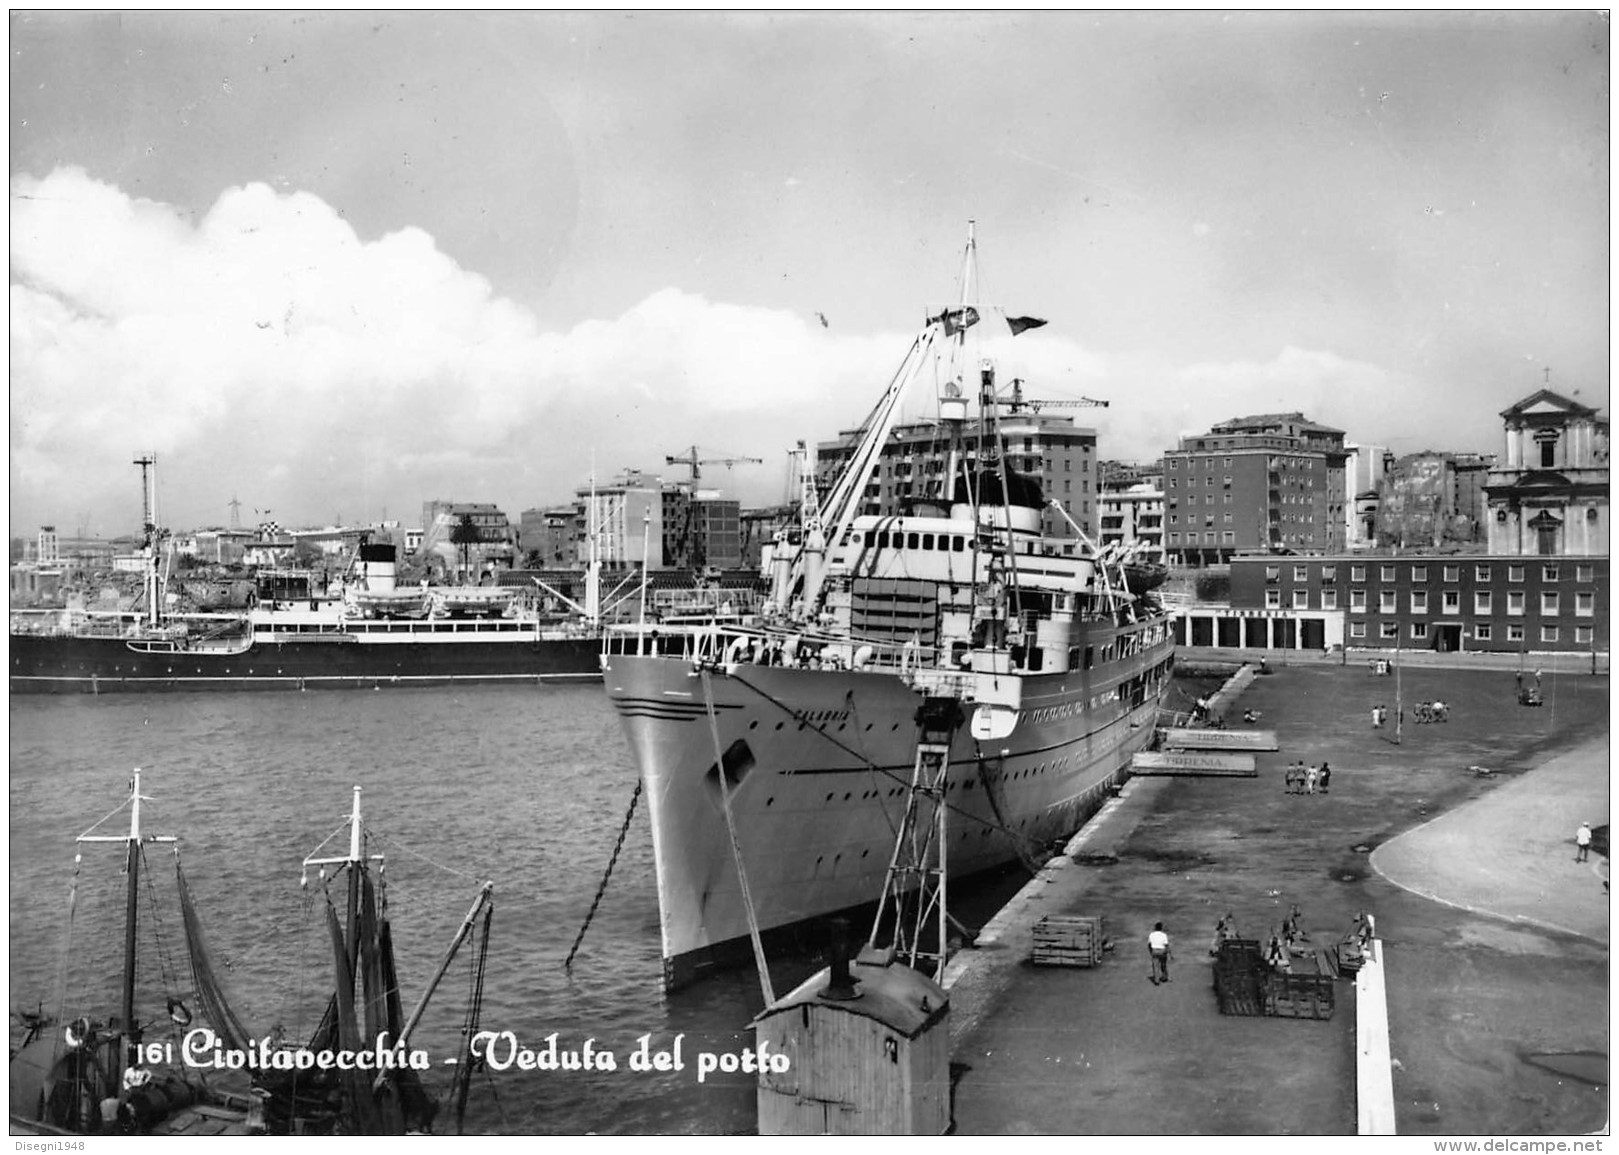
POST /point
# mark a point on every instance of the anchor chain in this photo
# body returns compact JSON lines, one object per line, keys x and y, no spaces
{"x":602,"y":889}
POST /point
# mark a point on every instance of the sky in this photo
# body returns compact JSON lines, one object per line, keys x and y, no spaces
{"x":334,"y":265}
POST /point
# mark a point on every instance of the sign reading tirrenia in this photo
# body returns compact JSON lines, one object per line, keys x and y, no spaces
{"x":1220,"y":739}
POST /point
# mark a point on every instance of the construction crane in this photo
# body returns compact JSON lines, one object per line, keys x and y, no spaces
{"x":692,"y":461}
{"x":1018,"y":403}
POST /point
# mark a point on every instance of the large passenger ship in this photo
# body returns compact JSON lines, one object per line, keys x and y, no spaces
{"x":777,"y":757}
{"x":370,"y":633}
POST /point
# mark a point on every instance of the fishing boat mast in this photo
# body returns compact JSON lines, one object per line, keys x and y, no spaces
{"x":133,"y":840}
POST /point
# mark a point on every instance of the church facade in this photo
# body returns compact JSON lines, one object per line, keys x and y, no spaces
{"x":1548,"y":495}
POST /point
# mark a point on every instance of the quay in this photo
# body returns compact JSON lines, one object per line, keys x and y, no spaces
{"x":1458,"y":839}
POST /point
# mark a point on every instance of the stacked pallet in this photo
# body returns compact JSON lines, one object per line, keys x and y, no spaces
{"x":1238,"y":975}
{"x":1067,"y":941}
{"x":1299,"y":996}
{"x":1244,"y":985}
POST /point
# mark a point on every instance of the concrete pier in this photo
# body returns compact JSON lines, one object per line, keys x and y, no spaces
{"x":1485,"y":1004}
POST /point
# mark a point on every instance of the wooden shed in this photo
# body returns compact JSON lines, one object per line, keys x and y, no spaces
{"x":868,"y":1050}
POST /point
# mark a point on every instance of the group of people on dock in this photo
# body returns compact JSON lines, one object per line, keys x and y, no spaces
{"x":1302,"y":779}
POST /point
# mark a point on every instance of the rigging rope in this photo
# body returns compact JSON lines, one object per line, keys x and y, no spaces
{"x":602,"y":889}
{"x":167,"y":974}
{"x":388,"y":841}
{"x":461,"y":1084}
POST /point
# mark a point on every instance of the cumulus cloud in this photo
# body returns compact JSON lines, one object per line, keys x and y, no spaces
{"x":266,"y":342}
{"x":265,"y":350}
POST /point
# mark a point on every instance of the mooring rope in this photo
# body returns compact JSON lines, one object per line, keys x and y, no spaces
{"x":736,"y":847}
{"x":602,"y":889}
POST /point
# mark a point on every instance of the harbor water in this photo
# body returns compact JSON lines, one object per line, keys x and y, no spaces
{"x":524,"y":786}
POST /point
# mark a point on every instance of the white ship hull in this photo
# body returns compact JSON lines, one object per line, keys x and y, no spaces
{"x":819,"y":762}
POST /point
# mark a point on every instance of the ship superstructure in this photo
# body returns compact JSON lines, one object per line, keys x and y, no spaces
{"x":777,"y":755}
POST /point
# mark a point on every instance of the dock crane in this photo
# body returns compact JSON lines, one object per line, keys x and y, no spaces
{"x":691,"y":460}
{"x":1018,"y":403}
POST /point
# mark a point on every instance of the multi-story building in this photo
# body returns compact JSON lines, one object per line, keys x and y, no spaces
{"x":496,"y":547}
{"x":701,"y":529}
{"x":912,"y":467}
{"x":550,"y":537}
{"x":1133,"y":520}
{"x":1431,"y":499}
{"x":626,"y":517}
{"x":759,"y":529}
{"x":1273,"y":481}
{"x":1441,"y":602}
{"x":1550,"y":496}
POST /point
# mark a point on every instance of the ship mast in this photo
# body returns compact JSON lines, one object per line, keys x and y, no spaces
{"x":133,"y":840}
{"x":151,"y":537}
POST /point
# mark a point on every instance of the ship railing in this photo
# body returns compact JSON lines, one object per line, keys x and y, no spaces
{"x":719,"y":645}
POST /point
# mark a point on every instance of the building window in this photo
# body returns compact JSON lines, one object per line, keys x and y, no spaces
{"x":1548,"y":573}
{"x":1388,"y":630}
{"x":1329,"y":573}
{"x":1301,"y":573}
{"x":1549,"y":603}
{"x":1481,"y":601}
{"x":1515,"y":603}
{"x":1482,"y":631}
{"x":1387,"y":573}
{"x":1419,"y":601}
{"x":1301,"y":599}
{"x":1357,"y":599}
{"x":1582,"y":635}
{"x":1329,"y":599}
{"x":1514,"y":573}
{"x":1228,"y":499}
{"x":1419,"y":631}
{"x":1453,"y":573}
{"x":1481,"y":573}
{"x":1229,"y":535}
{"x":1273,"y":599}
{"x":1357,"y":629}
{"x":1514,"y":632}
{"x":1450,"y":601}
{"x":1584,"y":603}
{"x":1273,"y":573}
{"x":1386,"y":603}
{"x":1419,"y":573}
{"x":1584,"y":572}
{"x":1357,"y":573}
{"x":1174,"y":463}
{"x":1548,"y":633}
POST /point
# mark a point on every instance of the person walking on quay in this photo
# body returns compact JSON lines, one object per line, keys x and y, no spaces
{"x":1158,"y":951}
{"x":1377,"y":717}
{"x":1310,"y":776}
{"x":1326,"y":776}
{"x":1582,"y":842}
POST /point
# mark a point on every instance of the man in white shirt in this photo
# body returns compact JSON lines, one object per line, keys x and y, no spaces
{"x":1582,"y":842}
{"x":1158,"y":949}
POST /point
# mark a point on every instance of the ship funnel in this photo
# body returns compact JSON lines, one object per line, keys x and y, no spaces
{"x":840,"y":984}
{"x":378,"y":569}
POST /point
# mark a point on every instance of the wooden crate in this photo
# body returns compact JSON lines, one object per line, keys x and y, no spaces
{"x":1238,"y":991}
{"x":1067,"y":941}
{"x":1299,"y":996}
